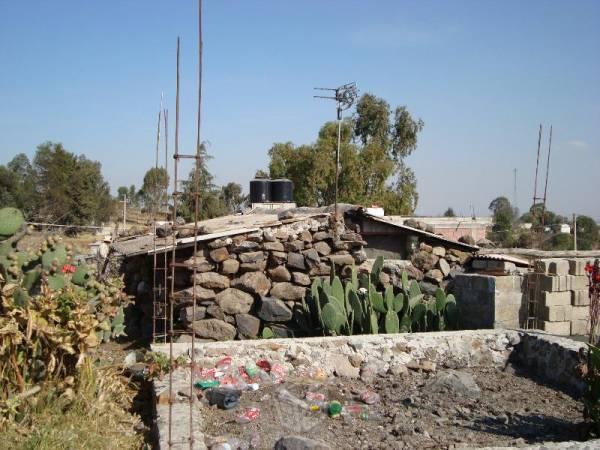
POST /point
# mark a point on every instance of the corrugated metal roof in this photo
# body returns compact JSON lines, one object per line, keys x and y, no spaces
{"x":507,"y":258}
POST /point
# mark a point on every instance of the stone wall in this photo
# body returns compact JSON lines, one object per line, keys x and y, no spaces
{"x":551,"y":359}
{"x":248,"y":281}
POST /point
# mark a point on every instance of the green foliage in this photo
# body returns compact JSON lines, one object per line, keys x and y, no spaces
{"x":372,"y":169}
{"x":357,"y":307}
{"x":231,"y":195}
{"x":587,"y":233}
{"x":153,"y":192}
{"x":449,"y":213}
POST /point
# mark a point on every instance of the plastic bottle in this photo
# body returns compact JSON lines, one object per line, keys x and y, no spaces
{"x":206,"y":384}
{"x":248,"y":415}
{"x":335,"y":409}
{"x":251,"y":369}
{"x":361,"y":412}
{"x":288,"y":397}
{"x":370,"y":397}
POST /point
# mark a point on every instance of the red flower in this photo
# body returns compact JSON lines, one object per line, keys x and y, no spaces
{"x":68,"y":268}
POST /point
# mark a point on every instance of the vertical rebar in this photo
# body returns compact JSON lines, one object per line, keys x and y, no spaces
{"x":174,"y":245}
{"x":166,"y":199}
{"x":196,"y":194}
{"x":547,"y":172}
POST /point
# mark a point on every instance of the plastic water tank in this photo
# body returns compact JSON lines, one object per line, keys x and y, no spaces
{"x":260,"y":190}
{"x":282,"y":191}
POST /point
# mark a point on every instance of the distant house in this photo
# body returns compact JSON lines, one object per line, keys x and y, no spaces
{"x":452,"y":227}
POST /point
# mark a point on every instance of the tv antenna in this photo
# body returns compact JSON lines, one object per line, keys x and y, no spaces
{"x":344,"y":96}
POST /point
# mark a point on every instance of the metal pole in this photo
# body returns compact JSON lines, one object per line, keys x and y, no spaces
{"x":574,"y":231}
{"x":337,"y":163}
{"x":547,"y":172}
{"x":124,"y":211}
{"x":537,"y":165}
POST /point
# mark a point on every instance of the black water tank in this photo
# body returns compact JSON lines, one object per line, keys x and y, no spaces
{"x":282,"y":191}
{"x":260,"y":190}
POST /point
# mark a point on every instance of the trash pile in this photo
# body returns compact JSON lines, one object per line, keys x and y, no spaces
{"x":224,"y":386}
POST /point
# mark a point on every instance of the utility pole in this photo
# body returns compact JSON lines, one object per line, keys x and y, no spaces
{"x":574,"y":231}
{"x":124,"y":201}
{"x":344,"y":97}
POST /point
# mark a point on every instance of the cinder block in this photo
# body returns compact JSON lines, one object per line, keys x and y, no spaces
{"x":580,"y":312}
{"x":579,"y":327}
{"x":509,"y":283}
{"x":577,"y":266}
{"x":556,"y":313}
{"x":558,"y":328}
{"x":580,"y":298}
{"x":542,"y":265}
{"x":507,"y":313}
{"x":559,"y":267}
{"x":556,"y":298}
{"x":553,"y":283}
{"x":577,"y":282}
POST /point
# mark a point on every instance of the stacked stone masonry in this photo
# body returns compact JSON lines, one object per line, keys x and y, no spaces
{"x":248,"y":281}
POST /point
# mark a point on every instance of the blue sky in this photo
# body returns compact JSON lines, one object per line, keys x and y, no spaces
{"x":481,"y":74}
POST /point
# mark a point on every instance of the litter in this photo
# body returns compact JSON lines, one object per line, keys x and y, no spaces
{"x":370,"y":397}
{"x":248,"y":415}
{"x":223,"y":398}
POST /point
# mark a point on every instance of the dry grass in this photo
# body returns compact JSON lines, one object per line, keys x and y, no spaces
{"x":91,"y":415}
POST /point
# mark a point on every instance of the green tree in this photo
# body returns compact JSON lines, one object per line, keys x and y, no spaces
{"x":449,"y":213}
{"x":122,"y":191}
{"x":68,"y":188}
{"x":232,"y":196}
{"x":587,"y":233}
{"x":504,"y":215}
{"x":372,"y":167}
{"x":260,"y":173}
{"x":210,"y":201}
{"x":156,"y":181}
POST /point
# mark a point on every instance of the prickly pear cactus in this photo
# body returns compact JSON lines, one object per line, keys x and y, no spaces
{"x":11,"y":219}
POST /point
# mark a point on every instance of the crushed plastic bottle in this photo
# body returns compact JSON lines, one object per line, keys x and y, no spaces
{"x":361,"y":412}
{"x":224,"y":363}
{"x":370,"y":397}
{"x":315,"y":396}
{"x":277,"y":373}
{"x":206,"y":384}
{"x":264,"y":365}
{"x":248,"y":415}
{"x":251,"y":369}
{"x":288,"y":397}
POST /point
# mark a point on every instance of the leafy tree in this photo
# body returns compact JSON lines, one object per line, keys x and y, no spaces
{"x":261,"y":174}
{"x":232,"y":196}
{"x":504,"y":215}
{"x":587,"y":233}
{"x":68,"y":188}
{"x":132,"y":196}
{"x":449,"y":213}
{"x":154,"y":188}
{"x":372,"y":168}
{"x":122,"y":191}
{"x":210,"y":202}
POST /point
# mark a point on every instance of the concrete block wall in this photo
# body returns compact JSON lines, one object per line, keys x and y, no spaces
{"x":560,"y":287}
{"x":487,"y":301}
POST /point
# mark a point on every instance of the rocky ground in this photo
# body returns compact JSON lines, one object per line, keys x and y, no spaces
{"x":416,"y":409}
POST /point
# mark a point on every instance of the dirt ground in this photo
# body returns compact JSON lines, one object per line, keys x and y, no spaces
{"x":413,"y":412}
